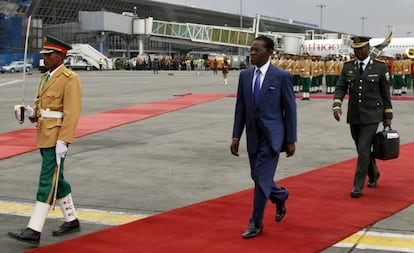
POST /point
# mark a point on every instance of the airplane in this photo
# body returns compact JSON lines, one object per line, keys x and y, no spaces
{"x":379,"y":46}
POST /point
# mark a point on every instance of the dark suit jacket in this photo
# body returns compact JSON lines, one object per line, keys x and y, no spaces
{"x":274,"y":117}
{"x":369,"y":93}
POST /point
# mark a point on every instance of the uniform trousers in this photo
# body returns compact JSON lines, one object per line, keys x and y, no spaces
{"x":47,"y":177}
{"x":306,"y":82}
{"x":263,"y":165}
{"x":398,"y":82}
{"x":363,"y":136}
{"x":330,"y":81}
{"x":407,"y":81}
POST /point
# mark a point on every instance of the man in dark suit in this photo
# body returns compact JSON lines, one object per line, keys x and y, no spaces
{"x":266,"y":107}
{"x":367,"y":82}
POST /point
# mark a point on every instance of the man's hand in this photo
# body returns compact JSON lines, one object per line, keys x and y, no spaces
{"x":61,"y":149}
{"x":28,"y":111}
{"x":337,"y":114}
{"x":290,"y":149}
{"x":386,"y":122}
{"x":234,"y":147}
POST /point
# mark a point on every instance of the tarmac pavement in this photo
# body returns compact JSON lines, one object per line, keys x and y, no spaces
{"x":171,"y":160}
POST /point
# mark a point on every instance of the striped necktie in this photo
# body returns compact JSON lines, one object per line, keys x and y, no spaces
{"x":45,"y":81}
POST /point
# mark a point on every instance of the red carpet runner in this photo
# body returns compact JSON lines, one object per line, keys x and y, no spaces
{"x":22,"y":141}
{"x":320,"y":213}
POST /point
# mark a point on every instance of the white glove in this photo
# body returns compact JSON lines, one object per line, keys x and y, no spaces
{"x":61,"y":149}
{"x":28,"y":111}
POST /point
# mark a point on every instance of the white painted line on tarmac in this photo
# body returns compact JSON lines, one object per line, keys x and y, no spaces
{"x":10,"y":82}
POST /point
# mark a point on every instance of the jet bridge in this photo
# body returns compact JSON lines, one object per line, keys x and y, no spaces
{"x":102,"y":22}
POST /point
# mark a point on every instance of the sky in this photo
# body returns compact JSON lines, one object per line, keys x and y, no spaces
{"x":374,"y":18}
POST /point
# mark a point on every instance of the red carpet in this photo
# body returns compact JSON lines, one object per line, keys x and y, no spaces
{"x":320,"y":213}
{"x":326,"y":96}
{"x":22,"y":141}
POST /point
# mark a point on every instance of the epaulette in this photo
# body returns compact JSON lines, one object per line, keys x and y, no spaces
{"x":67,"y":72}
{"x":351,"y":60}
{"x":378,"y":60}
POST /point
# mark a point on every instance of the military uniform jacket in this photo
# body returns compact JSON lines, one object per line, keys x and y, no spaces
{"x":306,"y":68}
{"x":62,"y":93}
{"x":369,"y":93}
{"x":406,"y":67}
{"x":397,"y":67}
{"x":330,"y":68}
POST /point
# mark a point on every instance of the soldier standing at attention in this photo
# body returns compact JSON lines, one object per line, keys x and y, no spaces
{"x":306,"y":75}
{"x":406,"y":62}
{"x":367,"y":82}
{"x":330,"y":74}
{"x":56,"y":112}
{"x":339,"y":65}
{"x":321,"y":73}
{"x":296,"y":74}
{"x":289,"y":64}
{"x":397,"y":72}
{"x":315,"y":74}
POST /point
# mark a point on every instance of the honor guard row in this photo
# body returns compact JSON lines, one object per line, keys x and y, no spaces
{"x":400,"y":67}
{"x":308,"y":72}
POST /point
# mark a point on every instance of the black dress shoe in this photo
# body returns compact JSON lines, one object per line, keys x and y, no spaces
{"x":26,"y":235}
{"x":252,"y":230}
{"x":67,"y":228}
{"x":356,"y":192}
{"x":281,"y":209}
{"x":372,"y":183}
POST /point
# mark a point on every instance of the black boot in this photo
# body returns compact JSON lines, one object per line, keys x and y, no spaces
{"x":26,"y":235}
{"x":67,"y":228}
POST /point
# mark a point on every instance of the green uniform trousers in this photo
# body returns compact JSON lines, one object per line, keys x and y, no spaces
{"x":46,"y":189}
{"x":398,"y":82}
{"x":306,"y":82}
{"x":363,"y":136}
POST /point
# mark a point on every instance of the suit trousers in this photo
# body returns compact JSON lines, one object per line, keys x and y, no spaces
{"x":363,"y":136}
{"x":263,"y":165}
{"x":47,"y":177}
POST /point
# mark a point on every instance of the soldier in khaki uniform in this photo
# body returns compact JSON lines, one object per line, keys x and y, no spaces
{"x":289,"y":64}
{"x":306,"y":69}
{"x":283,"y":62}
{"x":366,"y":80}
{"x":321,"y":66}
{"x":296,"y":74}
{"x":406,"y":74}
{"x":56,"y":112}
{"x":330,"y":72}
{"x":315,"y":74}
{"x":397,"y":72}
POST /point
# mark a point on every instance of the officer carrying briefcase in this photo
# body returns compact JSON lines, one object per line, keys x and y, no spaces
{"x":386,"y":144}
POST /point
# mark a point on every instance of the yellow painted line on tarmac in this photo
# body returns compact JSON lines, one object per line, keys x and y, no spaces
{"x":379,"y":241}
{"x":88,"y":215}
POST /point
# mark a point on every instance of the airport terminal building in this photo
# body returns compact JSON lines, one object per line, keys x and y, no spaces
{"x":61,"y":18}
